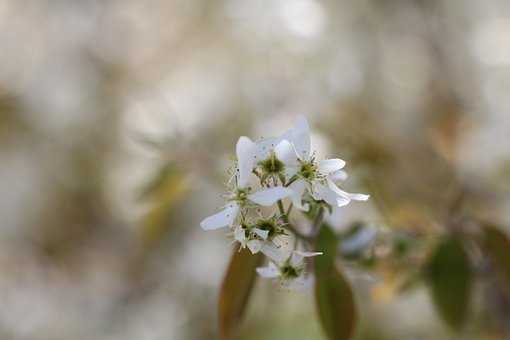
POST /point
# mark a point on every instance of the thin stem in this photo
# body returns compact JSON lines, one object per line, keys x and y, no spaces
{"x":282,"y":211}
{"x":318,"y":221}
{"x":289,"y":209}
{"x":292,"y":180}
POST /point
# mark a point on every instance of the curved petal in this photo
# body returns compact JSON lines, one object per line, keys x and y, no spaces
{"x":298,"y":188}
{"x":222,"y":219}
{"x":270,"y":196}
{"x":358,"y":197}
{"x":301,"y":138}
{"x":339,"y":175}
{"x":245,"y":152}
{"x":340,"y":192}
{"x":328,"y":166}
{"x":286,"y":153}
{"x":297,"y":257}
{"x":321,"y":192}
{"x":269,"y":272}
{"x":308,"y":253}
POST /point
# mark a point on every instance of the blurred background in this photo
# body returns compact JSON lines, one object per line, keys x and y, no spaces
{"x":119,"y":118}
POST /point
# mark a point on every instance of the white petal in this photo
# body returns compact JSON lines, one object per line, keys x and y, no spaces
{"x":328,"y":166}
{"x":269,"y":272}
{"x":240,"y":235}
{"x":359,"y":197}
{"x":264,"y":147}
{"x":222,"y":219}
{"x":254,"y":246}
{"x":296,"y":259}
{"x":340,"y":192}
{"x":308,"y":253}
{"x":301,"y":138}
{"x":262,"y":233}
{"x":245,"y":152}
{"x":321,"y":192}
{"x":273,"y":252}
{"x":339,"y":175}
{"x":270,"y":196}
{"x":286,"y":153}
{"x":298,"y":188}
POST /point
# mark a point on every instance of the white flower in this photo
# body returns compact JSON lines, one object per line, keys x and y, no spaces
{"x":250,"y":237}
{"x":242,"y":195}
{"x":266,"y":235}
{"x":290,"y":272}
{"x":318,"y":177}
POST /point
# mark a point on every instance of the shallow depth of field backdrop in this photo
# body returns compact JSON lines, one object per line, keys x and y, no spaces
{"x":118,"y":118}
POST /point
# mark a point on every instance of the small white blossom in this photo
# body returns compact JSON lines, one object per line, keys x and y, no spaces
{"x":291,"y":272}
{"x":250,"y":237}
{"x":318,"y":177}
{"x":267,"y":235}
{"x":266,"y":172}
{"x":242,"y":194}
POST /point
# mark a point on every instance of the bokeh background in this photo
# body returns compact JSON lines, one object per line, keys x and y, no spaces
{"x":118,"y":119}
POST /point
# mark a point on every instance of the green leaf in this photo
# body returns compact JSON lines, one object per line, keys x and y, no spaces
{"x":450,"y":280}
{"x":497,"y":247}
{"x":333,"y":294}
{"x":152,"y":189}
{"x":163,"y":194}
{"x":236,"y":290}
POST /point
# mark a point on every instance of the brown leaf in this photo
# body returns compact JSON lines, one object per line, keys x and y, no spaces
{"x":236,"y":290}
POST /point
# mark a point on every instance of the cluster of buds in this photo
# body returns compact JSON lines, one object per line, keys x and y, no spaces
{"x":270,"y":178}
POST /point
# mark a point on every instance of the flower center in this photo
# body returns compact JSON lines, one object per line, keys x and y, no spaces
{"x":270,"y":226}
{"x":290,"y":272}
{"x":308,"y":170}
{"x":272,"y":165}
{"x":241,"y":195}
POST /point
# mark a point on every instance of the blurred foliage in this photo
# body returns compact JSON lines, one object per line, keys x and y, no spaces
{"x":334,"y":296}
{"x":497,"y":246}
{"x":236,"y":290}
{"x":413,"y":95}
{"x":450,"y":278}
{"x":168,"y":186}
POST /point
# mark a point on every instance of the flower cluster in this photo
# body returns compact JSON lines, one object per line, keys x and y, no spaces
{"x":269,"y":173}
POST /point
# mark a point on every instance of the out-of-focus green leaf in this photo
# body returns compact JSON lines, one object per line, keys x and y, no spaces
{"x":236,"y":290}
{"x":153,"y":189}
{"x":497,"y":247}
{"x":167,"y":189}
{"x":356,"y":240}
{"x":333,"y":294}
{"x":450,"y":279}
